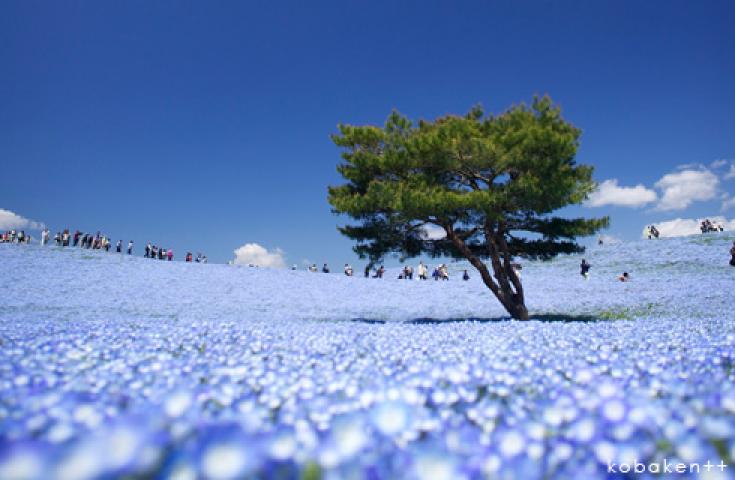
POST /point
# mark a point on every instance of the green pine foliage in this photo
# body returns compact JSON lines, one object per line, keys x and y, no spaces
{"x":490,"y":182}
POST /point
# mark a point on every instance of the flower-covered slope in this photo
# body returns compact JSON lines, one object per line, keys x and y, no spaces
{"x":112,"y":366}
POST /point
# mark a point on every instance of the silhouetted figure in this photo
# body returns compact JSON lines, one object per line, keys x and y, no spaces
{"x":465,"y":276}
{"x":584,"y":269}
{"x":408,"y":272}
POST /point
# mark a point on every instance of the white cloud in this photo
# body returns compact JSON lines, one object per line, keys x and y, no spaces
{"x":434,"y":232}
{"x":728,"y":203}
{"x":10,"y":220}
{"x":680,"y":227}
{"x":254,"y":254}
{"x":730,"y":174}
{"x":718,"y":163}
{"x":682,"y":188}
{"x":609,"y":193}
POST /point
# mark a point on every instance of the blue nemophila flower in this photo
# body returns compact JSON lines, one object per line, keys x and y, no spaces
{"x":274,"y":378}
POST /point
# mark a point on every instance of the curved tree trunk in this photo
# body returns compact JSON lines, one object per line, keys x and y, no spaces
{"x":512,"y":300}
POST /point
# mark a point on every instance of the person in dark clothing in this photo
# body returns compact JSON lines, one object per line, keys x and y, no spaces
{"x":325,"y":268}
{"x":367,"y":271}
{"x":379,"y":272}
{"x":732,"y":254}
{"x":118,"y":247}
{"x":584,"y":269}
{"x":465,"y":276}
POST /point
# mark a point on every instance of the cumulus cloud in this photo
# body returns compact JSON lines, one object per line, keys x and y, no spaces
{"x":680,"y":227}
{"x":719,"y":163}
{"x":731,"y":173}
{"x":681,"y":189}
{"x":254,"y":254}
{"x":728,"y":203}
{"x":609,"y":193}
{"x":10,"y":220}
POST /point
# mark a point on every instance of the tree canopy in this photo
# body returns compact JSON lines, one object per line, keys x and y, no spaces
{"x":491,"y":183}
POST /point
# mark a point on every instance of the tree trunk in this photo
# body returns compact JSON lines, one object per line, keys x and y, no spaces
{"x":516,"y":308}
{"x":513,"y":302}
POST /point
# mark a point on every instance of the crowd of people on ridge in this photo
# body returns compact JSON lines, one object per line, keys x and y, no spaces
{"x":99,"y":241}
{"x":96,"y":241}
{"x":707,"y":226}
{"x":13,"y":236}
{"x":652,"y":232}
{"x":65,"y":238}
{"x":440,"y":272}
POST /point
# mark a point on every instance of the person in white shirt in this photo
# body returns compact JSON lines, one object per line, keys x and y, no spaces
{"x":422,"y":271}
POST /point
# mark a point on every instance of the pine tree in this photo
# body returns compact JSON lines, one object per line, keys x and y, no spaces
{"x":490,"y":183}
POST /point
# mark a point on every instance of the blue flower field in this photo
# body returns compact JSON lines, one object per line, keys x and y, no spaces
{"x":121,"y":367}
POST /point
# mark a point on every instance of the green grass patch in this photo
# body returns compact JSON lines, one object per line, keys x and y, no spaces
{"x":628,"y":313}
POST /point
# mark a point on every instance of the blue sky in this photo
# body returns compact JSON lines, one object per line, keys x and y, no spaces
{"x":205,"y":126}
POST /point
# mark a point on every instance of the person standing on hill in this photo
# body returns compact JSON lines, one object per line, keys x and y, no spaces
{"x":367,"y":271}
{"x":422,"y":271}
{"x":130,"y":247}
{"x":325,"y":268}
{"x":44,"y":236}
{"x":443,"y":271}
{"x":584,"y":269}
{"x":118,"y":247}
{"x":732,"y":254}
{"x":170,"y":255}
